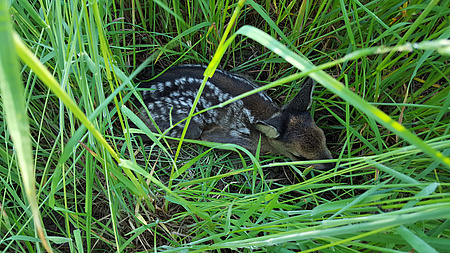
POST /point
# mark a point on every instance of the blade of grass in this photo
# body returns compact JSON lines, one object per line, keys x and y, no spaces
{"x":416,"y":242}
{"x":208,"y":73}
{"x":30,"y":59}
{"x":336,"y":87}
{"x":12,"y":92}
{"x":351,"y":226}
{"x":387,"y":60}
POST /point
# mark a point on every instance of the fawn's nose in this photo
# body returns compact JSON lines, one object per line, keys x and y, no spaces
{"x":326,"y":154}
{"x":325,"y":166}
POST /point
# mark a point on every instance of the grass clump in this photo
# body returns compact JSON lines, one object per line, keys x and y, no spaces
{"x":98,"y":188}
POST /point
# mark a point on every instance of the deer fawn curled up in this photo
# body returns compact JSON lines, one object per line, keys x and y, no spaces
{"x":289,"y":131}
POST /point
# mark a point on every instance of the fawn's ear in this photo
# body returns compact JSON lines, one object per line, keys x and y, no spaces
{"x":302,"y":101}
{"x":270,"y":127}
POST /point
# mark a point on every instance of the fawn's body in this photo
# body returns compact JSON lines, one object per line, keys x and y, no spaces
{"x":289,"y":131}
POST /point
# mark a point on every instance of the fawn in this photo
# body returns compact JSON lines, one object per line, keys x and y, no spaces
{"x":289,"y":131}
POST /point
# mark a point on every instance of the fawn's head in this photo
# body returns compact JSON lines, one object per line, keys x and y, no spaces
{"x":293,"y":132}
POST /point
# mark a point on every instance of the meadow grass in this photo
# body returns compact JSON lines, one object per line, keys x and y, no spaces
{"x":73,"y":171}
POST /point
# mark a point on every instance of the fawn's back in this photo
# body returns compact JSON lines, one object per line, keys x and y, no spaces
{"x":289,"y":131}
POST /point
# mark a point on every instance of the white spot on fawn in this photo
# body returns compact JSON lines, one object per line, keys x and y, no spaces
{"x":160,"y":87}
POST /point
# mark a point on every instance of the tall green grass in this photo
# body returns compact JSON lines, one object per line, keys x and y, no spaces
{"x":383,"y":102}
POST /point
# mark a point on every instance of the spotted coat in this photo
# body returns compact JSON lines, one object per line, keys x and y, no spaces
{"x":289,"y":130}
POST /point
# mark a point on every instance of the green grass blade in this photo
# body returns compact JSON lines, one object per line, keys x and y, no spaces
{"x":30,"y":59}
{"x":336,"y":87}
{"x":352,"y":226}
{"x":12,"y":93}
{"x":416,"y":242}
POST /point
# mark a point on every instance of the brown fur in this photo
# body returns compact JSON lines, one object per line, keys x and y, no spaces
{"x":289,"y":131}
